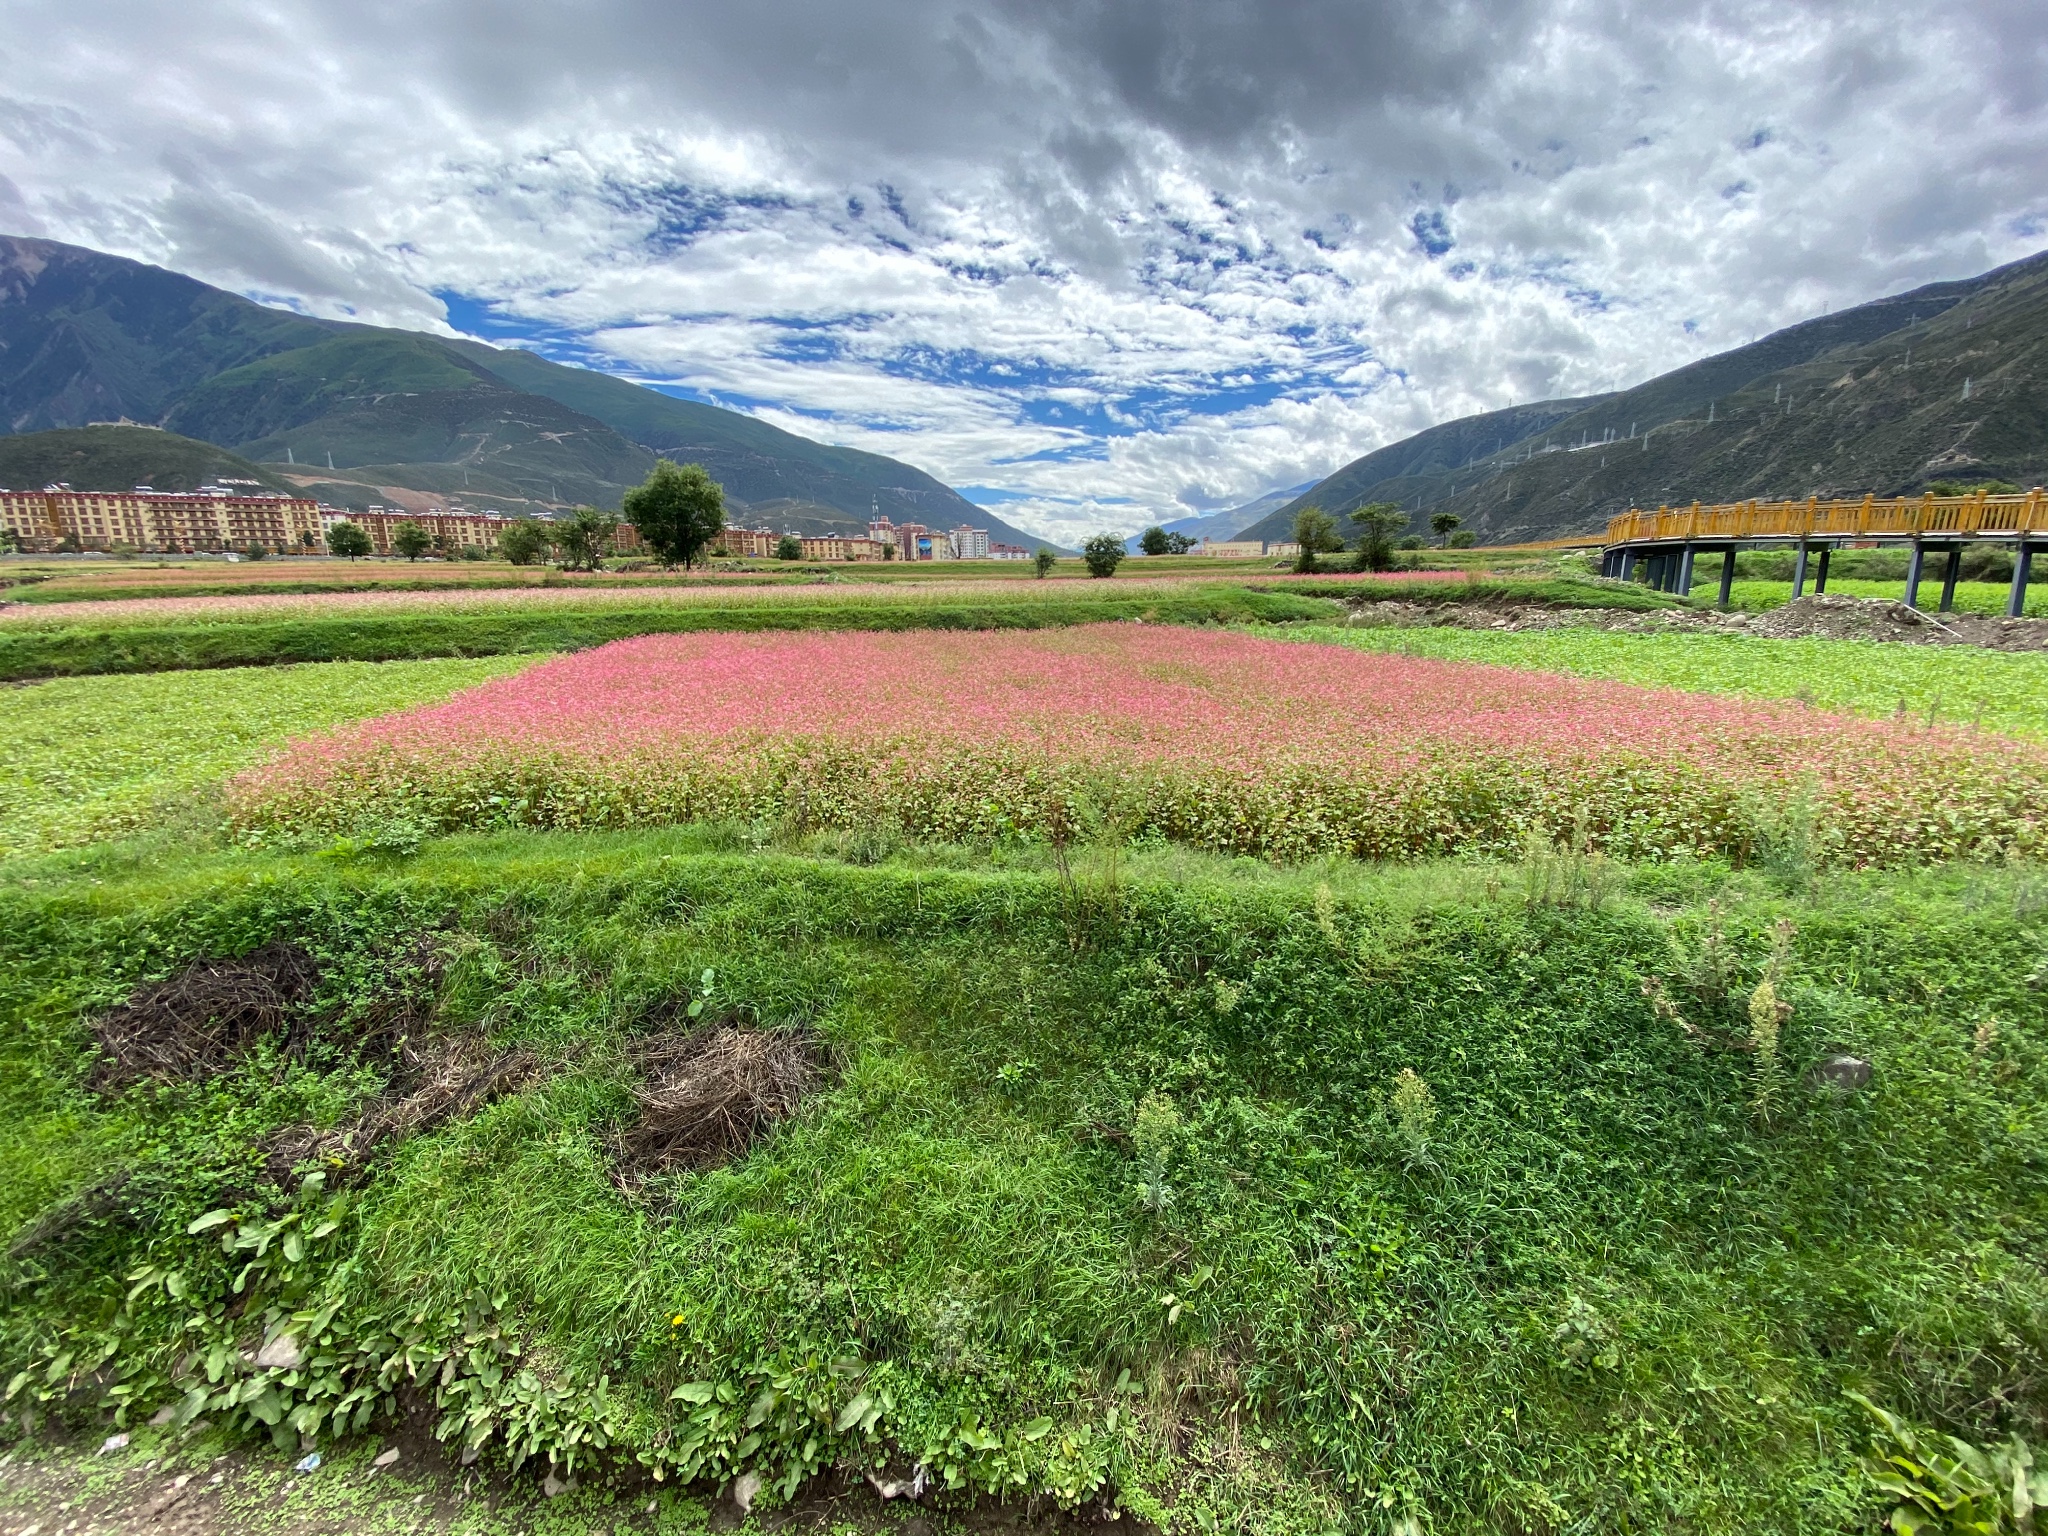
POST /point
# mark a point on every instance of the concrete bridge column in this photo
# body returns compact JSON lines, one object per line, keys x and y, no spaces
{"x":1799,"y":572}
{"x":1913,"y":569}
{"x":1727,"y":577}
{"x":1948,"y":578}
{"x":1820,"y":577}
{"x":1685,"y":572}
{"x":2022,"y":569}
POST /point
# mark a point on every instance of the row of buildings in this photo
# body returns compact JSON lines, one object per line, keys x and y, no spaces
{"x":884,"y":540}
{"x":234,"y":515}
{"x":225,"y":518}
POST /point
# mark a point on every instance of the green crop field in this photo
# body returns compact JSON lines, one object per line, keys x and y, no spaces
{"x":1053,"y":1164}
{"x":1986,"y":597}
{"x":1995,"y":690}
{"x":84,"y":758}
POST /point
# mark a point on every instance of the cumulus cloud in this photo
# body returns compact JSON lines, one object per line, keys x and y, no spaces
{"x":1094,"y":261}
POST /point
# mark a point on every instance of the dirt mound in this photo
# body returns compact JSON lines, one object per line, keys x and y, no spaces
{"x":707,"y":1096}
{"x":205,"y":1016}
{"x":1834,"y":616}
{"x":1823,"y":615}
{"x":439,"y":1080}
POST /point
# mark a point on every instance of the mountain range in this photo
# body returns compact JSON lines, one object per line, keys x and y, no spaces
{"x":1947,"y":382}
{"x":360,"y":415}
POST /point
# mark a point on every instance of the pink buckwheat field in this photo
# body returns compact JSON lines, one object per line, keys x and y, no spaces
{"x":1202,"y":736}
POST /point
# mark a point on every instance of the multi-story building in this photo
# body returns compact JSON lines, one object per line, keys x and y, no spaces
{"x":841,"y":547}
{"x":749,"y":543}
{"x":970,"y":543}
{"x":1008,"y":552}
{"x":451,"y":530}
{"x":210,"y":520}
{"x":1232,"y":549}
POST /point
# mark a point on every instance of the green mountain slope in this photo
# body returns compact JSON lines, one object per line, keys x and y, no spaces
{"x":366,"y":413}
{"x":818,"y":488}
{"x":116,"y":458}
{"x":1870,"y":400}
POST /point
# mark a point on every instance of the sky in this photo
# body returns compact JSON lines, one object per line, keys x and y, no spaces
{"x":1096,"y":263}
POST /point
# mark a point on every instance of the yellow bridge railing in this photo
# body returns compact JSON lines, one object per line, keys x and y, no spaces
{"x":1873,"y":517}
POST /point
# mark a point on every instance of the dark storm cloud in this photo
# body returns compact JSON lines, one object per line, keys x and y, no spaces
{"x":1089,"y":252}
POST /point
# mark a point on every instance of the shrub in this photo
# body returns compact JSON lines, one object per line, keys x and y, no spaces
{"x":1103,"y":554}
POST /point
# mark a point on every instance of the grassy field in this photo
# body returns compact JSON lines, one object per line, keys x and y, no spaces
{"x":1994,"y":690}
{"x":1283,"y":1200}
{"x":1971,"y":596}
{"x":89,"y":758}
{"x":414,"y":630}
{"x":1279,"y":1198}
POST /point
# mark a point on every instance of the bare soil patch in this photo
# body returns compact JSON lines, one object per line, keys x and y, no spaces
{"x":708,"y":1095}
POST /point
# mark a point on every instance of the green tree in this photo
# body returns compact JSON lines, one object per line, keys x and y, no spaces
{"x":256,"y":551}
{"x":1179,"y":543}
{"x":1464,"y":538}
{"x":1316,"y":532}
{"x":789,"y":547}
{"x":1375,"y":525}
{"x":1044,"y":561}
{"x":348,"y":541}
{"x":679,"y":510}
{"x":585,"y":538}
{"x":1153,"y":540}
{"x":1444,"y":524}
{"x":526,"y":541}
{"x":1103,"y":554}
{"x":410,"y":540}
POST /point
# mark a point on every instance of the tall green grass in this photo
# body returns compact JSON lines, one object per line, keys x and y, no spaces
{"x":1620,"y":1279}
{"x":87,"y":758}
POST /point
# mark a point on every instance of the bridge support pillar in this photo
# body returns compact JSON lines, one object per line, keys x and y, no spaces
{"x":1727,"y":578}
{"x":1685,"y":573}
{"x":1628,"y":565}
{"x":1914,"y":565}
{"x":1820,"y":577}
{"x":1799,"y":572}
{"x":2022,"y":570}
{"x":1948,"y":578}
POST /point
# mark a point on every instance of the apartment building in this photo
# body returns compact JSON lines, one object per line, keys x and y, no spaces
{"x":450,"y":530}
{"x":1008,"y":552}
{"x":841,"y":547}
{"x":210,"y":520}
{"x":1232,"y":549}
{"x":750,"y":543}
{"x":969,"y":543}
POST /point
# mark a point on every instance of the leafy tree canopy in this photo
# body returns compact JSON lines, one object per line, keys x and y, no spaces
{"x":411,"y":540}
{"x":585,"y":538}
{"x":679,"y":510}
{"x":347,"y":541}
{"x":1375,"y":525}
{"x":526,"y":541}
{"x":1103,"y":554}
{"x":789,"y":547}
{"x":1044,"y":561}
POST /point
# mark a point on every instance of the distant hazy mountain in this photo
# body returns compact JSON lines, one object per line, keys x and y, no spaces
{"x":1946,"y":382}
{"x":116,"y":458}
{"x":359,"y":412}
{"x":1225,"y":525}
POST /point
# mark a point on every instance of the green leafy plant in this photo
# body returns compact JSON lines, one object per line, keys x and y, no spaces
{"x":1412,"y":1108}
{"x":1948,"y":1487}
{"x":1153,"y":1134}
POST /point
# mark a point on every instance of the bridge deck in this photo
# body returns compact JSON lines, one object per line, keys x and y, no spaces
{"x":1667,"y":541}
